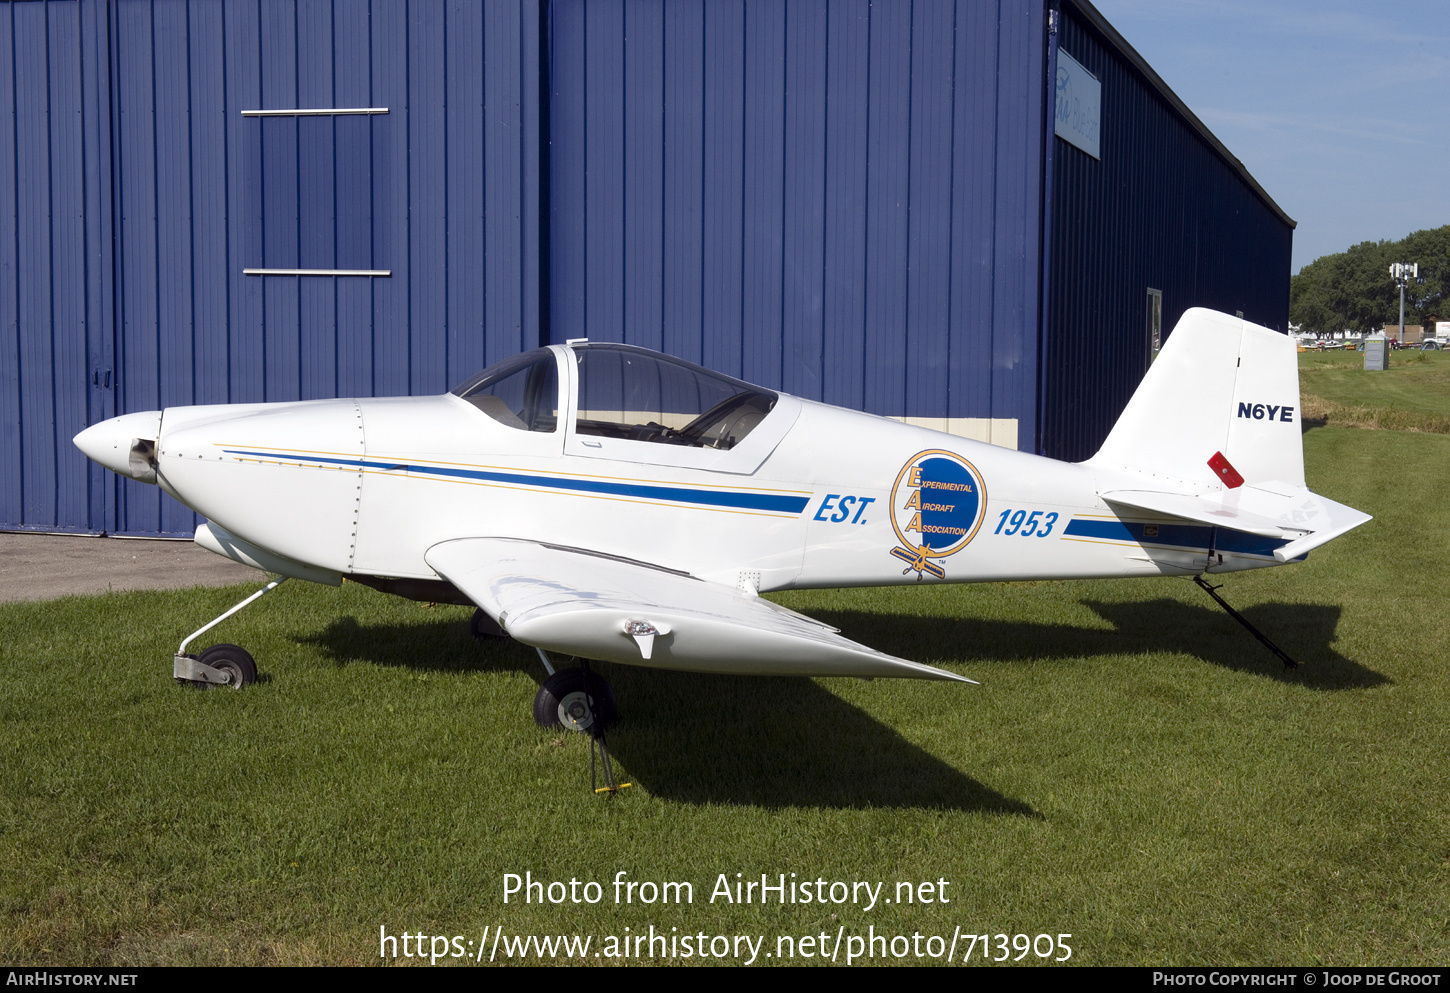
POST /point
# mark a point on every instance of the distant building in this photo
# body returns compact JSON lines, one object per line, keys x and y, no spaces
{"x":1414,"y":333}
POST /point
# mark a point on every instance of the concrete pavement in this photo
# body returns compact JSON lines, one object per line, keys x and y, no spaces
{"x":44,"y":566}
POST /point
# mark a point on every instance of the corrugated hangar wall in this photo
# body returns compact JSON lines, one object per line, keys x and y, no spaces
{"x":130,"y":128}
{"x":843,"y":200}
{"x":1160,"y":209}
{"x":56,"y":371}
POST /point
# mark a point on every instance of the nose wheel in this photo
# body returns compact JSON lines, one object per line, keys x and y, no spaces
{"x":219,"y":665}
{"x":225,"y":665}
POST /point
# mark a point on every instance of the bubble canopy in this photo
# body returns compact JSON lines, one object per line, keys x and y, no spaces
{"x":624,"y":392}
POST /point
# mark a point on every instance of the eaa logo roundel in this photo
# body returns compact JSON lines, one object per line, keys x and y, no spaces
{"x":937,"y":505}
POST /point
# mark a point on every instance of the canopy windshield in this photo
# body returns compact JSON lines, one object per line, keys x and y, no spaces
{"x":639,"y":395}
{"x":521,"y":392}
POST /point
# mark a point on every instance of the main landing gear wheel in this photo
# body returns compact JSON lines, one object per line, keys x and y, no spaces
{"x":235,"y":662}
{"x":484,"y":628}
{"x":575,"y":700}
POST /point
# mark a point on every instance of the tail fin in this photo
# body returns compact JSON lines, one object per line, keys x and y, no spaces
{"x":1220,"y":387}
{"x":1213,"y":435}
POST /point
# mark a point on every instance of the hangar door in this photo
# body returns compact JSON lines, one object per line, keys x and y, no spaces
{"x":57,"y":361}
{"x":306,"y":199}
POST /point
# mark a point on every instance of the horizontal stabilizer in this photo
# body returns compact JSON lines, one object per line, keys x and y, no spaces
{"x":1344,"y":519}
{"x":575,"y":602}
{"x":1307,"y":520}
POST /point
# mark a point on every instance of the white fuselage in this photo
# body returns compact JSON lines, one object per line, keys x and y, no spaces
{"x":816,"y":496}
{"x":609,"y":502}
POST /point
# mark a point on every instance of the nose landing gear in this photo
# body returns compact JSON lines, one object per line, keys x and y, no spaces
{"x":233,"y":663}
{"x":219,"y":665}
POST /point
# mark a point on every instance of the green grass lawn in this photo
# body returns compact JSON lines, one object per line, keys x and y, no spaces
{"x":1413,"y":393}
{"x":1134,"y":770}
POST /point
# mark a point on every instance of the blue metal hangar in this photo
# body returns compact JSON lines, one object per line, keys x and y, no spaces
{"x":971,"y":214}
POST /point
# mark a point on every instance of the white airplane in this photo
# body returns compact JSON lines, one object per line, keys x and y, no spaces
{"x":609,"y":502}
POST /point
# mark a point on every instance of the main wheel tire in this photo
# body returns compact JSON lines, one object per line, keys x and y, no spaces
{"x":564,"y":701}
{"x":484,"y":628}
{"x":234,"y":660}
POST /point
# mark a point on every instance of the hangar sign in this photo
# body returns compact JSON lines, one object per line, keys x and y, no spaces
{"x":1079,"y":105}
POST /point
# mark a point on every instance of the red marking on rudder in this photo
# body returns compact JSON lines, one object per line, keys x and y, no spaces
{"x":1225,"y":472}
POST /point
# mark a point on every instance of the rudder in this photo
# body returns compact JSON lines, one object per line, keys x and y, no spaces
{"x":1219,"y":385}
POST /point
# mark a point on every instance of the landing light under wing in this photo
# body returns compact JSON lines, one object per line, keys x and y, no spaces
{"x":575,"y":602}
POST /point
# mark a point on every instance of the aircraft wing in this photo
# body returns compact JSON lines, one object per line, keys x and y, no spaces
{"x":596,"y":606}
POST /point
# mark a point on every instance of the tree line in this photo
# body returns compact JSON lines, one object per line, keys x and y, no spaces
{"x":1353,"y":290}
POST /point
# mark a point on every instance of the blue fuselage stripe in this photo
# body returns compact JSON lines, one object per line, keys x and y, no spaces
{"x":733,"y":499}
{"x":1182,"y":535}
{"x":1176,"y":535}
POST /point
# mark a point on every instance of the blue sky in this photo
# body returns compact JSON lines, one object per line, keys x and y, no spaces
{"x":1341,"y":110}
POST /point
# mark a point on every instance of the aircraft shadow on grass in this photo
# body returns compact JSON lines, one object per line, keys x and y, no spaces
{"x":1305,"y":632}
{"x":789,"y":742}
{"x":774,"y":742}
